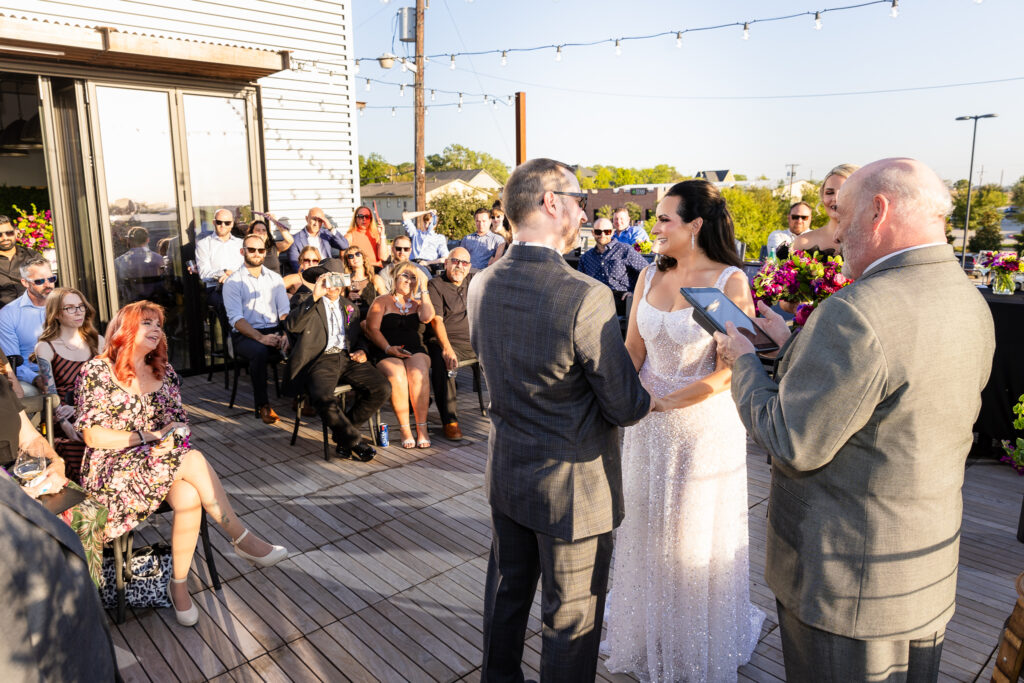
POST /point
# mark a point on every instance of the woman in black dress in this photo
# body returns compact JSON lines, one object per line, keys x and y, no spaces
{"x":395,"y":325}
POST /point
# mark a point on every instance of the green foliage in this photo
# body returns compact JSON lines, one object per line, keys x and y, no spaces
{"x":988,"y":238}
{"x":755,"y":213}
{"x":985,"y":204}
{"x":634,"y":210}
{"x":616,"y":176}
{"x":603,"y":212}
{"x":1017,"y":193}
{"x":456,"y":157}
{"x":22,"y":196}
{"x":818,"y":213}
{"x":455,"y":213}
{"x":740,"y":177}
{"x":1019,"y":240}
{"x":375,"y":169}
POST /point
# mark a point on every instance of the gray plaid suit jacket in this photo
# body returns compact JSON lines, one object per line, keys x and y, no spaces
{"x":869,"y":428}
{"x":560,"y":382}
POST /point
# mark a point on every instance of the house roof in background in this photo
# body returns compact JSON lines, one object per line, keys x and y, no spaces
{"x":406,"y":189}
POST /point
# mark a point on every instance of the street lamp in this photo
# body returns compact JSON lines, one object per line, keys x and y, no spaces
{"x":970,"y":178}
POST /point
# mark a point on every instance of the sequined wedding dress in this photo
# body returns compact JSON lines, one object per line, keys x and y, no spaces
{"x":680,"y":602}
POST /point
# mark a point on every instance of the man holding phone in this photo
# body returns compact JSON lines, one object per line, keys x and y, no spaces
{"x":320,"y":233}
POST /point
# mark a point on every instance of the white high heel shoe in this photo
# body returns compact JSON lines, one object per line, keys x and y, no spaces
{"x":276,"y":554}
{"x":187,"y":617}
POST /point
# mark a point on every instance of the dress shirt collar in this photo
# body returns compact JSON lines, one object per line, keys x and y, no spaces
{"x":878,"y":262}
{"x":24,"y":301}
{"x":536,"y":244}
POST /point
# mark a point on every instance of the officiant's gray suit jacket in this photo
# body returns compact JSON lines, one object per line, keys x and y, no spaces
{"x":869,"y":428}
{"x":560,"y":383}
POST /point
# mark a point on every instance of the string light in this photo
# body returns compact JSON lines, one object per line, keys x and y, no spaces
{"x":509,"y":101}
{"x":401,"y":90}
{"x":817,"y":21}
{"x":433,"y":95}
{"x":452,"y":64}
{"x":356,"y":67}
{"x":393,"y":112}
{"x":558,"y":53}
{"x":460,"y":101}
{"x":895,"y":11}
{"x":618,"y":47}
{"x":494,"y":103}
{"x":746,"y":30}
{"x":402,"y":64}
{"x":367,"y":85}
{"x":504,"y":57}
{"x":679,"y":38}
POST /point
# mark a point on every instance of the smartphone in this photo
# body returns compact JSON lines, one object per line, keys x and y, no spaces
{"x":712,"y":309}
{"x":334,"y":280}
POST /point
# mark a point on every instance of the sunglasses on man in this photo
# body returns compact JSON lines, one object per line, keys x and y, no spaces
{"x":256,"y":250}
{"x":402,"y":249}
{"x":460,"y":262}
{"x":217,"y":222}
{"x":603,"y":232}
{"x":7,"y":233}
{"x":52,"y":279}
{"x":581,"y":197}
{"x":798,"y":217}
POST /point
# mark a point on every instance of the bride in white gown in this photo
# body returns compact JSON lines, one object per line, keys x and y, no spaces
{"x":680,"y":603}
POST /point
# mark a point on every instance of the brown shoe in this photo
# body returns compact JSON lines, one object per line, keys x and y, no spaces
{"x":268,"y":415}
{"x":452,"y":431}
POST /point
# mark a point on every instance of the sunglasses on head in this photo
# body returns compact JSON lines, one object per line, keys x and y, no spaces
{"x":402,"y":249}
{"x":37,"y":282}
{"x":217,"y":222}
{"x":798,"y":217}
{"x":603,"y":232}
{"x":7,"y":233}
{"x":581,"y":197}
{"x":256,"y":250}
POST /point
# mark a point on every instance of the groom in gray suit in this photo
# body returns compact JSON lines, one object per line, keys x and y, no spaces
{"x":869,"y":427}
{"x":560,"y":383}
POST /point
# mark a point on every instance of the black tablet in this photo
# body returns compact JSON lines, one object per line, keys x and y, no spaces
{"x":712,"y":309}
{"x":64,"y":499}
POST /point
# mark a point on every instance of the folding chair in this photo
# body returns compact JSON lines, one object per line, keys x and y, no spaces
{"x":340,"y":391}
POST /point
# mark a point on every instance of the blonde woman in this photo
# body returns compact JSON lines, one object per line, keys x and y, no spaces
{"x":395,"y":325}
{"x":823,"y":239}
{"x":366,"y":284}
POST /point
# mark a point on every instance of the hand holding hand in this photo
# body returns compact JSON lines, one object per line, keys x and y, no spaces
{"x":773,"y":324}
{"x":731,"y":345}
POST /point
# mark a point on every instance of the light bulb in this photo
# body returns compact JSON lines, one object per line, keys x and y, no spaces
{"x":895,"y":11}
{"x":746,"y":30}
{"x":404,"y":67}
{"x":509,"y":100}
{"x":460,"y":107}
{"x":460,"y":100}
{"x":356,"y":67}
{"x":367,"y":85}
{"x":426,"y":111}
{"x":494,"y":103}
{"x":558,"y":53}
{"x":679,"y":38}
{"x":401,"y":90}
{"x":393,"y":112}
{"x":362,"y":111}
{"x":433,"y":95}
{"x":451,"y":64}
{"x":817,"y":21}
{"x":504,"y":57}
{"x":618,"y":48}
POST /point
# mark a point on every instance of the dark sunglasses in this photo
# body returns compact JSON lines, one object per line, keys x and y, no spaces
{"x":581,"y":197}
{"x":256,"y":250}
{"x":7,"y":233}
{"x":459,"y":262}
{"x":216,"y":222}
{"x":403,"y":249}
{"x":603,"y":232}
{"x":353,"y":256}
{"x":51,"y":279}
{"x":795,"y":217}
{"x":363,"y":216}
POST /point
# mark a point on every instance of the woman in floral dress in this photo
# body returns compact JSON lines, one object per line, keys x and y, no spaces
{"x":128,"y":407}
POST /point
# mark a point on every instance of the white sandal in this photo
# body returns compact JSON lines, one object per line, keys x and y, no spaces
{"x":187,"y":617}
{"x":276,"y":554}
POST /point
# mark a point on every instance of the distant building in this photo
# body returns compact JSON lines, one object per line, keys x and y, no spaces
{"x":477,"y":177}
{"x":394,"y":198}
{"x":725,"y":176}
{"x":644,"y":196}
{"x":798,"y":189}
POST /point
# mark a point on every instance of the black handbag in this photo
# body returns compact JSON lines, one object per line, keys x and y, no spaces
{"x":146,"y":581}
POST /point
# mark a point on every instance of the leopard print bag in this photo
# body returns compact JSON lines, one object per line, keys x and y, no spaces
{"x":147,"y":587}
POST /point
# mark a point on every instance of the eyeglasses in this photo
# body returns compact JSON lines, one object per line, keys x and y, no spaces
{"x":51,"y":279}
{"x":363,"y":216}
{"x":402,"y":249}
{"x":256,"y":250}
{"x":460,"y":262}
{"x":80,"y":308}
{"x":216,"y":222}
{"x":602,"y":232}
{"x":796,"y":217}
{"x":7,"y":233}
{"x":581,"y":197}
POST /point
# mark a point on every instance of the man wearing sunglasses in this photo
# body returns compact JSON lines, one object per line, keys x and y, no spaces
{"x":256,"y":302}
{"x":613,"y":263}
{"x":12,"y":257}
{"x":484,"y":247}
{"x":800,"y":217}
{"x":321,"y":234}
{"x":218,"y":256}
{"x":21,"y":321}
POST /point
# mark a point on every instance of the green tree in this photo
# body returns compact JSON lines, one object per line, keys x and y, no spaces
{"x":457,"y":157}
{"x":455,"y":213}
{"x":755,"y":213}
{"x":604,"y":176}
{"x":374,"y":169}
{"x":739,"y":177}
{"x":635,"y":212}
{"x":662,"y":173}
{"x":586,"y":182}
{"x":603,"y":212}
{"x":987,"y":238}
{"x":985,"y":204}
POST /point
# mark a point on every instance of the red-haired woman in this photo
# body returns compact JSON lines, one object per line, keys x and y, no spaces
{"x":129,"y":403}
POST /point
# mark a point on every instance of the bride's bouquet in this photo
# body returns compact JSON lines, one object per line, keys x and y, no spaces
{"x":803,"y":278}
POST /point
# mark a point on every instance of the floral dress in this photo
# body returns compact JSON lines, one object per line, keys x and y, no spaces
{"x":131,"y":482}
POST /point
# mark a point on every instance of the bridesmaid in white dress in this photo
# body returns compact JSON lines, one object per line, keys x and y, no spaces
{"x":680,"y":606}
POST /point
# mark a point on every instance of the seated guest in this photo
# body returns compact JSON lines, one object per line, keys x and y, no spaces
{"x":140,"y":270}
{"x":800,"y":216}
{"x":499,"y":224}
{"x":366,"y":284}
{"x":368,"y":235}
{"x":12,"y":257}
{"x":68,"y":340}
{"x":624,"y":232}
{"x":401,"y":251}
{"x":8,"y":372}
{"x":395,"y":325}
{"x":293,"y":282}
{"x":428,"y":246}
{"x":217,"y":257}
{"x":613,"y":263}
{"x":256,"y":303}
{"x":318,"y":232}
{"x":484,"y":247}
{"x":448,"y":336}
{"x":329,"y":350}
{"x":130,"y":415}
{"x":21,"y":321}
{"x":274,"y":247}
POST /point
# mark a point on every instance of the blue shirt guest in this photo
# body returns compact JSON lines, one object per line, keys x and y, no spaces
{"x":256,"y":303}
{"x":484,"y":247}
{"x":624,"y":232}
{"x":612,"y":263}
{"x":21,"y":321}
{"x":427,"y":245}
{"x":320,"y":233}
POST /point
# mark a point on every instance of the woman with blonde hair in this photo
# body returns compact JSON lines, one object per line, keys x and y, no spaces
{"x":366,"y":284}
{"x":308,"y":257}
{"x":823,"y":240}
{"x":395,"y":325}
{"x":69,"y":340}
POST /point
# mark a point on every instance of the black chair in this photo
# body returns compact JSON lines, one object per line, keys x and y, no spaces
{"x":341,"y":390}
{"x":43,"y":406}
{"x":477,"y":385}
{"x":212,"y":322}
{"x":122,"y":547}
{"x":240,"y":363}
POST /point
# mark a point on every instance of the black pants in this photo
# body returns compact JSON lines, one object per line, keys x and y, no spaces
{"x":258,"y":356}
{"x":442,"y":384}
{"x":574,"y":579}
{"x":371,"y":389}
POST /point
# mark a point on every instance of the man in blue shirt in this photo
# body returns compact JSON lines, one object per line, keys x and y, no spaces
{"x":427,"y":246}
{"x":321,"y":234}
{"x":21,"y":321}
{"x":612,"y":263}
{"x":256,"y":303}
{"x":484,"y":247}
{"x":624,"y":232}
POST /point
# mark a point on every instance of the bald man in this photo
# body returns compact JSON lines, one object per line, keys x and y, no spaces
{"x":869,"y":424}
{"x":612,"y":262}
{"x":448,"y":336}
{"x":321,"y":234}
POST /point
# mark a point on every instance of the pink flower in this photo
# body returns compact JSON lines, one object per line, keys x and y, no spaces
{"x":803,"y":312}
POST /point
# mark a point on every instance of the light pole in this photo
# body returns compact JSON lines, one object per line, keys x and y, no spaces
{"x":970,"y":177}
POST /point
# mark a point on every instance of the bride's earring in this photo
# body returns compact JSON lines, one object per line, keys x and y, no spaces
{"x":693,"y":241}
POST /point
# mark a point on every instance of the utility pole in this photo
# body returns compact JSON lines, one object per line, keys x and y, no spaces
{"x":981,"y":176}
{"x":520,"y":127}
{"x":792,"y":174}
{"x":420,"y":174}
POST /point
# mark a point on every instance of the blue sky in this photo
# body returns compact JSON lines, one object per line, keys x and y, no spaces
{"x":714,"y":103}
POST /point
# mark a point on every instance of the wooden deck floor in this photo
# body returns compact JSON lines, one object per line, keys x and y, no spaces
{"x":385,"y":579}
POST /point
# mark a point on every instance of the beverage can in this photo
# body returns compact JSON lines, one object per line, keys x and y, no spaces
{"x":383,"y":440}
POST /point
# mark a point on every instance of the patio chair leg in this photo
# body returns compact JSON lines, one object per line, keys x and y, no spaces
{"x":477,"y":387}
{"x":327,"y":450}
{"x":119,"y":613}
{"x":234,"y":384}
{"x":299,"y":404}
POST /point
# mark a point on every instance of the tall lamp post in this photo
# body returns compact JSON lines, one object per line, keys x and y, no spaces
{"x":970,"y":178}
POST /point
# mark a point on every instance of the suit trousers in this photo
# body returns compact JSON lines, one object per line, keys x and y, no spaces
{"x":442,"y":384}
{"x":574,"y":580}
{"x":371,"y":390}
{"x":811,"y":654}
{"x":258,"y":355}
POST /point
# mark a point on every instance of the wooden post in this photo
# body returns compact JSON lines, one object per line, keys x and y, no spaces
{"x":520,"y":127}
{"x":420,"y":174}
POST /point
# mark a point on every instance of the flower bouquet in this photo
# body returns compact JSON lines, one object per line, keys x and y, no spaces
{"x":802,"y":279}
{"x":36,"y":228}
{"x":1003,"y":266}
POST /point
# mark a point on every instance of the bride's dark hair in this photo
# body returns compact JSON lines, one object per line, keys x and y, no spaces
{"x":717,"y":236}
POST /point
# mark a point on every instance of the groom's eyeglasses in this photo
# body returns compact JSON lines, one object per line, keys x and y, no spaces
{"x":581,"y":197}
